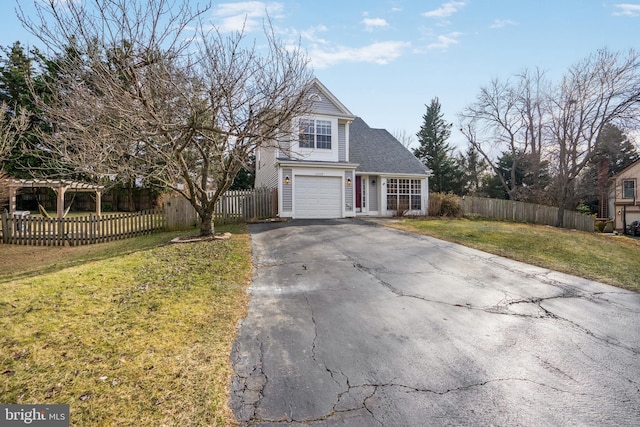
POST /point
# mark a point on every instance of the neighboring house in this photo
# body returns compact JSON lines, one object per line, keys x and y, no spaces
{"x":340,"y":167}
{"x":624,"y":195}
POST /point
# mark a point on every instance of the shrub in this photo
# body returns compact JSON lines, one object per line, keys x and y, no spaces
{"x":444,"y":204}
{"x":435,"y":203}
{"x":402,"y":208}
{"x":583,"y":208}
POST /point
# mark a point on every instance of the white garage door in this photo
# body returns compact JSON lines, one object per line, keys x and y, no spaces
{"x":317,"y":197}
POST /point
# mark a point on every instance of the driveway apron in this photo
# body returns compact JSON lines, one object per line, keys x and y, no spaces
{"x":352,"y":323}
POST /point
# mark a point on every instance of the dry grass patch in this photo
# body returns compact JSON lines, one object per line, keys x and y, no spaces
{"x":141,"y":338}
{"x":601,"y":257}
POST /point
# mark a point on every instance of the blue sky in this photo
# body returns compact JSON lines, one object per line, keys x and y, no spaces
{"x":386,"y":59}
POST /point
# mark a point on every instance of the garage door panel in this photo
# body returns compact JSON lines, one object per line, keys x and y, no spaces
{"x":318,"y":197}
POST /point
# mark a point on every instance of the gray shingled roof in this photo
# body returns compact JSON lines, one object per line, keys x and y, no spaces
{"x":377,"y":151}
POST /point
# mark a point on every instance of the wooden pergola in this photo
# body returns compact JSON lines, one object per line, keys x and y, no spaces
{"x":60,"y":187}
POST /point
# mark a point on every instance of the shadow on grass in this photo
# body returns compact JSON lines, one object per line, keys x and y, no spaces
{"x":22,"y":262}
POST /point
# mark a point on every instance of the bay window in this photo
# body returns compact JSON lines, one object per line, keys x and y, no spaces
{"x":404,"y":194}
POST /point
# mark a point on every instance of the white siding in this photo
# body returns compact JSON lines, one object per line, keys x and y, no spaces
{"x":266,"y":168}
{"x":323,"y":105}
{"x":342,"y":143}
{"x":287,"y":192}
{"x":349,"y":190}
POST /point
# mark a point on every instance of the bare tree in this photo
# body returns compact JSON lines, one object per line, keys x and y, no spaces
{"x":405,"y":139}
{"x":138,"y":94}
{"x":12,"y":126}
{"x":535,"y":122}
{"x":602,"y":89}
{"x":494,"y":124}
{"x":508,"y":118}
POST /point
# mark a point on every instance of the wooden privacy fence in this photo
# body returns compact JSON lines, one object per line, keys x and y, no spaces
{"x":525,"y":212}
{"x":233,"y":206}
{"x":81,"y":230}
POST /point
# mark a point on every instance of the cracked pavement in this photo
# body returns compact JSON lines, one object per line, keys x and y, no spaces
{"x":355,"y":324}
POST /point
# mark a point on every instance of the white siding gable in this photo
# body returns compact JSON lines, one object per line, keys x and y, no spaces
{"x":322,"y":104}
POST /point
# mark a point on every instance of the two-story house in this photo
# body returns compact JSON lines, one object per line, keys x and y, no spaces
{"x":624,"y":196}
{"x":338,"y":167}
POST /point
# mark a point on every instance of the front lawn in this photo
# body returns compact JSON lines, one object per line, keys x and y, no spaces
{"x":602,"y":257}
{"x":134,"y":332}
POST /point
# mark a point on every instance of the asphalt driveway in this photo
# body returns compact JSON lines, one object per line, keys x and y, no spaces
{"x":352,"y":323}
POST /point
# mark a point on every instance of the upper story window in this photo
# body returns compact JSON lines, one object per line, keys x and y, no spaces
{"x":629,"y":189}
{"x":315,"y":134}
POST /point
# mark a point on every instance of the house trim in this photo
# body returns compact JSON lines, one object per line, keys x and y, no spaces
{"x":316,"y":164}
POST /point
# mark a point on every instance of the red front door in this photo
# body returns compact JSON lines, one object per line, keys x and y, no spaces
{"x":358,"y":193}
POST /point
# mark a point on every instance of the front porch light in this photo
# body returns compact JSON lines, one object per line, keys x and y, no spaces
{"x":287,"y":180}
{"x":349,"y":182}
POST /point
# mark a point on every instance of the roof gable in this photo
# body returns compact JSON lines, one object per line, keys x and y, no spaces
{"x":324,"y":102}
{"x":377,"y":151}
{"x":632,"y":169}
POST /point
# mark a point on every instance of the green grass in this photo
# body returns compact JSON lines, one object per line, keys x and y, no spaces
{"x":602,"y":257}
{"x":136,"y":332}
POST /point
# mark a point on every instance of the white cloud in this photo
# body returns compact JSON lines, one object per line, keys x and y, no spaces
{"x":248,"y":15}
{"x":445,"y":10}
{"x":377,"y":53}
{"x":372,"y":23}
{"x":501,"y":23}
{"x":444,"y":42}
{"x":627,"y":9}
{"x":311,"y":34}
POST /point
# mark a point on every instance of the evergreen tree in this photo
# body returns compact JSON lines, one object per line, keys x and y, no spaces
{"x":20,"y":77}
{"x":614,"y":153}
{"x":473,"y":167}
{"x":530,"y":182}
{"x":16,"y":69}
{"x":436,"y":153}
{"x":245,"y":179}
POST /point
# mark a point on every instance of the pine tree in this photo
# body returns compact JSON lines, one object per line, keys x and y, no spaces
{"x":614,"y":153}
{"x":473,"y":167}
{"x":436,"y":153}
{"x":20,"y":77}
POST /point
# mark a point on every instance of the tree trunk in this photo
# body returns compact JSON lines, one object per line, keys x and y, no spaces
{"x":206,"y":226}
{"x":131,"y":201}
{"x":560,"y":217}
{"x":562,"y":204}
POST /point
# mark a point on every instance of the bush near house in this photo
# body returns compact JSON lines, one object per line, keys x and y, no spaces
{"x":444,"y":204}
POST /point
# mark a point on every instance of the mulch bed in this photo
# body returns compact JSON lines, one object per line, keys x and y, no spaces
{"x":193,"y":239}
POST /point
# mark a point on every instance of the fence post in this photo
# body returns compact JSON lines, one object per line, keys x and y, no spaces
{"x":6,"y":229}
